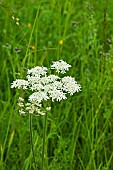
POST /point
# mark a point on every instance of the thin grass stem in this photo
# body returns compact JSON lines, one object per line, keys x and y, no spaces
{"x":44,"y":137}
{"x":31,"y":140}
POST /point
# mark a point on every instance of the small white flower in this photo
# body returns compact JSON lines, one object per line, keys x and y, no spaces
{"x":31,"y":111}
{"x":20,"y":104}
{"x":37,"y":71}
{"x":21,"y":99}
{"x":19,"y":83}
{"x":17,"y":19}
{"x":13,"y":17}
{"x":60,"y":66}
{"x":22,"y":112}
{"x":57,"y":95}
{"x":47,"y":88}
{"x":36,"y":87}
{"x":48,"y":108}
{"x":41,"y":113}
{"x":28,"y":108}
{"x":68,"y":79}
{"x":36,"y":104}
{"x":17,"y":23}
{"x":33,"y":79}
{"x":57,"y":85}
{"x":49,"y":79}
{"x":52,"y":78}
{"x":38,"y":96}
{"x":28,"y":104}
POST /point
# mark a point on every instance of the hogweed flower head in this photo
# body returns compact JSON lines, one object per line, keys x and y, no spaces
{"x":45,"y":86}
{"x":60,"y":66}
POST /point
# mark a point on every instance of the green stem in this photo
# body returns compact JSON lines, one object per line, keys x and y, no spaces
{"x":31,"y":140}
{"x":44,"y":136}
{"x":24,"y":60}
{"x":11,"y":13}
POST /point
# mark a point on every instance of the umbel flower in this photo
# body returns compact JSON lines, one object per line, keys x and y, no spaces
{"x":45,"y":86}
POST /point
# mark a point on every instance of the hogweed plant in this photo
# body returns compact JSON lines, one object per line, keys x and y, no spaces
{"x":42,"y":85}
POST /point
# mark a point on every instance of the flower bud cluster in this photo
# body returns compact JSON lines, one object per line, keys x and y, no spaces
{"x":31,"y":107}
{"x":16,"y":20}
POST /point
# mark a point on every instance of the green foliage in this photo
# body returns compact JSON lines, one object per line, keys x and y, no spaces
{"x":80,"y":129}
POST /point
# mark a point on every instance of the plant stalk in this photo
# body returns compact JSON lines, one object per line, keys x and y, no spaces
{"x":31,"y":140}
{"x":44,"y":137}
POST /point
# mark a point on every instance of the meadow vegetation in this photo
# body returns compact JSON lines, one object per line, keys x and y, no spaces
{"x":79,"y":133}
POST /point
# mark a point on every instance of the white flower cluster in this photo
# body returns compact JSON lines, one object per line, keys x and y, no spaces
{"x":46,"y":86}
{"x":60,"y":66}
{"x":20,"y":83}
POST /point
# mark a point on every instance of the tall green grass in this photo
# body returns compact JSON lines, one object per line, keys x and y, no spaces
{"x":80,"y":129}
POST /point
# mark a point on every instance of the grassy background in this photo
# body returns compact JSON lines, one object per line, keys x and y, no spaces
{"x":80,"y":129}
